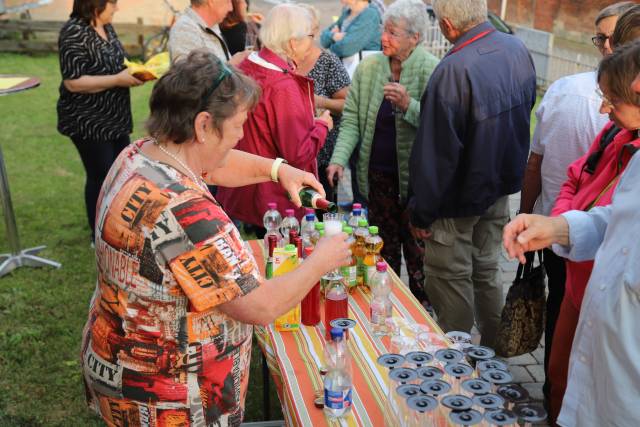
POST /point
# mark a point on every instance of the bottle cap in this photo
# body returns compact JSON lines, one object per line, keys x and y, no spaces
{"x":319,"y":226}
{"x":381,"y":266}
{"x":308,"y":250}
{"x":290,"y":247}
{"x":272,"y":205}
{"x":336,"y":334}
{"x":356,"y":212}
{"x":347,"y":229}
{"x":362,"y":222}
{"x":356,"y":206}
{"x":373,"y":229}
{"x":308,"y":211}
{"x":289,"y":212}
{"x":309,"y":217}
{"x":321,"y":233}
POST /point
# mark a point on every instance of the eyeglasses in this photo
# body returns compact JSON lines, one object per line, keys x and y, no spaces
{"x":606,"y":101}
{"x":600,"y":39}
{"x":396,"y":34}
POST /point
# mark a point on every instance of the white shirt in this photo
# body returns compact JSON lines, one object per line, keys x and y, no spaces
{"x":190,"y":32}
{"x":603,"y":385}
{"x":568,"y":121}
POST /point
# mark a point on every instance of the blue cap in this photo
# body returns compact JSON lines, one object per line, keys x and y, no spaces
{"x":336,"y":334}
{"x":309,"y":217}
{"x":357,"y":212}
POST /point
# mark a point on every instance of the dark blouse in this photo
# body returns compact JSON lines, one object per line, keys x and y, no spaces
{"x":103,"y":116}
{"x":235,"y":36}
{"x":329,"y":76}
{"x":384,"y":157}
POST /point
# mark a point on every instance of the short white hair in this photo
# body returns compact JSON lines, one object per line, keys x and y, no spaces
{"x":411,"y":13}
{"x":284,"y":22}
{"x":463,"y":14}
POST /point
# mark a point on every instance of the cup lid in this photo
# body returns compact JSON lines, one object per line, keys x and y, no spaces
{"x":530,"y":412}
{"x":391,"y":360}
{"x":408,"y":390}
{"x":418,"y":357}
{"x":429,"y":373}
{"x":500,"y":417}
{"x":488,"y":401}
{"x":458,"y":370}
{"x":457,"y":402}
{"x":449,"y":355}
{"x":469,"y":417}
{"x":403,"y":375}
{"x":484,"y":365}
{"x":496,"y":376}
{"x":342,"y":323}
{"x":513,"y":393}
{"x":476,"y":386}
{"x":422,"y":403}
{"x":479,"y":352}
{"x":435,"y":387}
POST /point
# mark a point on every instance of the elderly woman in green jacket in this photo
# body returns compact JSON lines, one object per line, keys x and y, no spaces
{"x":380,"y":121}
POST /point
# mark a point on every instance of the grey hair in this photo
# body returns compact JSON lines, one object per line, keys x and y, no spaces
{"x":463,"y":14}
{"x":284,"y":22}
{"x":198,"y":2}
{"x":313,"y":11}
{"x":412,"y":13}
{"x":615,"y":9}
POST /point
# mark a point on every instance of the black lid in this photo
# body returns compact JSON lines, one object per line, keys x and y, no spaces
{"x":449,"y":355}
{"x":485,"y":365}
{"x":418,"y":357}
{"x":391,"y":360}
{"x":458,"y":370}
{"x":500,"y":417}
{"x":408,"y":390}
{"x":465,"y":418}
{"x":496,"y":376}
{"x":429,"y":373}
{"x":456,"y":402}
{"x":513,"y":393}
{"x":489,"y":401}
{"x":435,"y":387}
{"x":403,"y":375}
{"x":479,"y":352}
{"x":476,"y":386}
{"x":422,"y":403}
{"x":530,"y":412}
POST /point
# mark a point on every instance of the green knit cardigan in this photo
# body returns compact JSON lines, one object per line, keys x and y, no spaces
{"x":361,"y":112}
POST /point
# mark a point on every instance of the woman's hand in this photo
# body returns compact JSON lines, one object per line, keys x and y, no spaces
{"x":532,"y":232}
{"x":292,"y":180}
{"x":332,"y":170}
{"x":332,"y":252}
{"x":338,"y":36}
{"x":125,"y":79}
{"x":326,"y":117}
{"x":397,"y":95}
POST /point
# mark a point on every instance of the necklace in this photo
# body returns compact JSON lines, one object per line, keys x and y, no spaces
{"x":194,"y":177}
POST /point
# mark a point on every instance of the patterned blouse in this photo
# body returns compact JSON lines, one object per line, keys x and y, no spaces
{"x":104,"y":116}
{"x":329,"y":76}
{"x":156,"y":349}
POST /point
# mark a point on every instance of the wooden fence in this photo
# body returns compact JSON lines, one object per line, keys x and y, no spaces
{"x":25,"y":35}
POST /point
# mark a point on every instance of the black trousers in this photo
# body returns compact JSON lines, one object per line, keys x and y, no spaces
{"x":97,"y":158}
{"x":556,"y":277}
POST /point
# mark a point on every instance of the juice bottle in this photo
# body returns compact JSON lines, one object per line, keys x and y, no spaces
{"x":336,"y":300}
{"x":359,"y":250}
{"x":349,"y":271}
{"x":373,"y":245}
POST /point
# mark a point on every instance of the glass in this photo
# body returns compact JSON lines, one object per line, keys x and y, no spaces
{"x":332,"y":224}
{"x":469,"y":417}
{"x":402,"y":395}
{"x":456,"y":373}
{"x":396,"y":110}
{"x":501,"y":417}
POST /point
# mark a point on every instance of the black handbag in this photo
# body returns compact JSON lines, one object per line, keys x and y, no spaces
{"x":523,"y":315}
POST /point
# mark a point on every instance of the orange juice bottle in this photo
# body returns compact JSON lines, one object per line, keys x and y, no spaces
{"x":373,"y":245}
{"x":359,"y":250}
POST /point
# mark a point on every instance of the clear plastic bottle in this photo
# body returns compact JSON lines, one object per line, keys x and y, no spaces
{"x":380,"y":306}
{"x":359,"y":250}
{"x":373,"y":245}
{"x":315,"y":236}
{"x":306,"y":218}
{"x":307,"y":227}
{"x":289,"y":223}
{"x":272,"y":221}
{"x":337,"y":381}
{"x":349,"y":272}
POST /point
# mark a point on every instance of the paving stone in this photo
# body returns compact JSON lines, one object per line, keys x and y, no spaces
{"x":537,"y":372}
{"x":539,"y":353}
{"x":534,"y":389}
{"x":525,"y":359}
{"x":520,"y":374}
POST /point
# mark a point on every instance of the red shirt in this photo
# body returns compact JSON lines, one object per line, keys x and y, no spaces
{"x":283,"y":124}
{"x":582,"y":191}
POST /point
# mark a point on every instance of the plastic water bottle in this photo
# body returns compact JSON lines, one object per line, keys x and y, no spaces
{"x":307,"y":227}
{"x":380,"y":306}
{"x":289,"y":223}
{"x":272,"y":220}
{"x":337,"y":381}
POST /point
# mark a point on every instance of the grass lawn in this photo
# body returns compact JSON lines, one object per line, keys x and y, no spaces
{"x":42,"y":311}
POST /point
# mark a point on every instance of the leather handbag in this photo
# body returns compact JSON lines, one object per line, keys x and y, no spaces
{"x":523,"y":315}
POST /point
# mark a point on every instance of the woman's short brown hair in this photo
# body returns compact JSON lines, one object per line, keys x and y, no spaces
{"x":627,"y":27}
{"x":188,"y":88}
{"x":87,"y":10}
{"x":618,"y":70}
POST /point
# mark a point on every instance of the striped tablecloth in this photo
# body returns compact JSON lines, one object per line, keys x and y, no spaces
{"x":294,"y":357}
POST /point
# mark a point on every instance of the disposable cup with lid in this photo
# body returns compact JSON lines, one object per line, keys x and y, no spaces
{"x":435,"y":387}
{"x":475,"y":386}
{"x":403,"y":375}
{"x":530,"y":413}
{"x":512,"y":394}
{"x":423,"y":410}
{"x":470,"y":417}
{"x":391,"y":360}
{"x":501,"y":417}
{"x":449,"y":355}
{"x":456,"y":402}
{"x":426,"y":373}
{"x":488,"y":402}
{"x":418,"y":359}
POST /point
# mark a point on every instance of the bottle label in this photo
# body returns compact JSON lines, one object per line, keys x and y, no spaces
{"x":340,"y":399}
{"x":350,"y":275}
{"x":368,"y":274}
{"x":377,"y":314}
{"x":360,"y":270}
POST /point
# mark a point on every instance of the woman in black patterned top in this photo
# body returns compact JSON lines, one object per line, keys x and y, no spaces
{"x":94,"y":108}
{"x":330,"y":85}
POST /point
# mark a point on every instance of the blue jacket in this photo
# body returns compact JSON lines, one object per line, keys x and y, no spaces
{"x":472,"y":144}
{"x":363,"y":34}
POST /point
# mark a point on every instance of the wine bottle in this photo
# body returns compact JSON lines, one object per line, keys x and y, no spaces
{"x":310,"y":198}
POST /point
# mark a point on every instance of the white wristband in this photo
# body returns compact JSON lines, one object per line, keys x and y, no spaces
{"x":275,"y":166}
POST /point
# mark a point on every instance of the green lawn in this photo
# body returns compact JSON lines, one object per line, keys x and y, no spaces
{"x":42,"y":311}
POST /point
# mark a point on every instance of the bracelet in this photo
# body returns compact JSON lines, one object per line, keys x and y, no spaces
{"x":275,"y":167}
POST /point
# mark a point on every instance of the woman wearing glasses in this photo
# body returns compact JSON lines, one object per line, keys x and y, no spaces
{"x":94,"y":108}
{"x":168,"y":336}
{"x":379,"y":123}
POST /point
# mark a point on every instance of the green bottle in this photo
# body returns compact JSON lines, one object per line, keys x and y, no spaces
{"x":268,"y":270}
{"x":310,"y":198}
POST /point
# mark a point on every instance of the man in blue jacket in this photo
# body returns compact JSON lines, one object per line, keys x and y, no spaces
{"x":469,"y":155}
